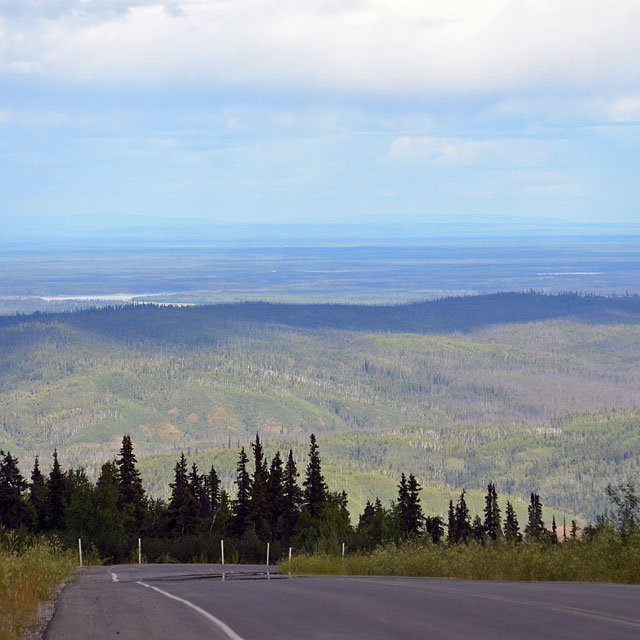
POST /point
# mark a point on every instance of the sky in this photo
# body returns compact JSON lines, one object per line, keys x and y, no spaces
{"x":289,"y":111}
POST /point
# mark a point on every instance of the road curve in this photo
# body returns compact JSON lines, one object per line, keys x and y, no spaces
{"x":198,"y":601}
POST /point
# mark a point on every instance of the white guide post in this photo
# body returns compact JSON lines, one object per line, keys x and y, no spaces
{"x":289,"y":554}
{"x":267,"y":554}
{"x":343,"y":549}
{"x":139,"y":551}
{"x":222,"y":550}
{"x":80,"y":550}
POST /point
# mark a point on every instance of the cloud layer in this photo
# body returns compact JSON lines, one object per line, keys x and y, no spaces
{"x":391,"y":48}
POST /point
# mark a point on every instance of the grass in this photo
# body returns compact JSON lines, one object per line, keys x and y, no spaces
{"x":30,"y":568}
{"x":604,"y":559}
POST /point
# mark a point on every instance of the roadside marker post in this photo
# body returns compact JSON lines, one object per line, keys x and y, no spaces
{"x":267,"y":554}
{"x":343,"y":549}
{"x":139,"y":551}
{"x":80,"y":550}
{"x":222,"y":550}
{"x":289,"y":554}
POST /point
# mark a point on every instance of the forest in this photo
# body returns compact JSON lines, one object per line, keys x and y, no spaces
{"x":270,"y":505}
{"x":537,"y":393}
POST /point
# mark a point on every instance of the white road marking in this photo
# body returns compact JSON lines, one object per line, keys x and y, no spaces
{"x":114,"y":577}
{"x":231,"y":634}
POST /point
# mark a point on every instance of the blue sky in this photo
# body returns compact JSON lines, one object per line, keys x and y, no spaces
{"x":319,"y":111}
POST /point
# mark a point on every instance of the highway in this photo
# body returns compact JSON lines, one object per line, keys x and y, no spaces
{"x":241,"y":602}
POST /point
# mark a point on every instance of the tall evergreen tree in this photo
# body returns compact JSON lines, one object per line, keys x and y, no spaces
{"x":197,"y":484}
{"x":451,"y":524}
{"x":434,"y":527}
{"x":242,"y":504}
{"x":38,"y":497}
{"x":292,"y":497}
{"x":276,"y":497}
{"x":535,"y":529}
{"x":131,"y":500}
{"x":463,"y":524}
{"x":57,"y":496}
{"x":492,"y":513}
{"x":259,"y":511}
{"x":511,"y":525}
{"x":554,"y":530}
{"x":14,"y":510}
{"x":214,"y":489}
{"x":409,"y":506}
{"x":315,"y":489}
{"x":183,"y":507}
{"x":478,"y":531}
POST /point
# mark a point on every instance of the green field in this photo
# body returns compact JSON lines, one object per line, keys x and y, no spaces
{"x":539,"y":393}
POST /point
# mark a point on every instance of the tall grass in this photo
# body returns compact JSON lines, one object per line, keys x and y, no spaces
{"x":30,"y":567}
{"x":606,"y":558}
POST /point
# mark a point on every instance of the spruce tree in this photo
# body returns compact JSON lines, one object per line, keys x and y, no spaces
{"x":492,"y":513}
{"x":315,"y":489}
{"x":292,"y":497}
{"x":511,"y":526}
{"x":554,"y":530}
{"x":242,"y":504}
{"x":574,"y":530}
{"x":38,"y":497}
{"x":462,"y":522}
{"x":434,"y":527}
{"x":183,"y":507}
{"x":198,"y":491}
{"x":213,"y":486}
{"x":451,"y":524}
{"x":14,"y":511}
{"x":535,"y":529}
{"x":411,"y":511}
{"x":259,"y":512}
{"x":57,"y":496}
{"x":276,"y":497}
{"x":131,"y":500}
{"x":478,"y":530}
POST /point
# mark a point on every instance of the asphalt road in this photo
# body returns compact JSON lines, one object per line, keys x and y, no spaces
{"x":195,"y":601}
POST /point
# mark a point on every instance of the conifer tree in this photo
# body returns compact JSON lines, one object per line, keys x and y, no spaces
{"x":292,"y":497}
{"x":57,"y":496}
{"x":197,"y":486}
{"x":183,"y":507}
{"x":462,"y":522}
{"x":259,"y":511}
{"x":38,"y":497}
{"x":554,"y":530}
{"x":14,"y":511}
{"x":451,"y":524}
{"x":242,"y":504}
{"x":535,"y":529}
{"x":409,"y":505}
{"x":434,"y":527}
{"x":574,"y":530}
{"x":478,"y":530}
{"x":511,"y":526}
{"x":315,"y":489}
{"x":276,"y":497}
{"x":214,"y":489}
{"x":492,"y":513}
{"x":131,"y":500}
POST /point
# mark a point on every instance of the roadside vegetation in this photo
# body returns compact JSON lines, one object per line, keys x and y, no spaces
{"x":31,"y":567}
{"x":271,"y":506}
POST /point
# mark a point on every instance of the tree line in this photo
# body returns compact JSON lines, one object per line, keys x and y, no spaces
{"x":270,"y":505}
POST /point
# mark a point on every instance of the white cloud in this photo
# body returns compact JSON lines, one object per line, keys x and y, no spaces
{"x":386,"y":47}
{"x":437,"y":150}
{"x":625,"y":109}
{"x":513,"y":153}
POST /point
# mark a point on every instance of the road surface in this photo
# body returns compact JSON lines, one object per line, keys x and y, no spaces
{"x":184,"y":602}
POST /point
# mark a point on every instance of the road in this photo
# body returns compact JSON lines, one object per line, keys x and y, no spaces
{"x":184,"y":602}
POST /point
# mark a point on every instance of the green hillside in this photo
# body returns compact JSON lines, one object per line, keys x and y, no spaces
{"x":537,"y":392}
